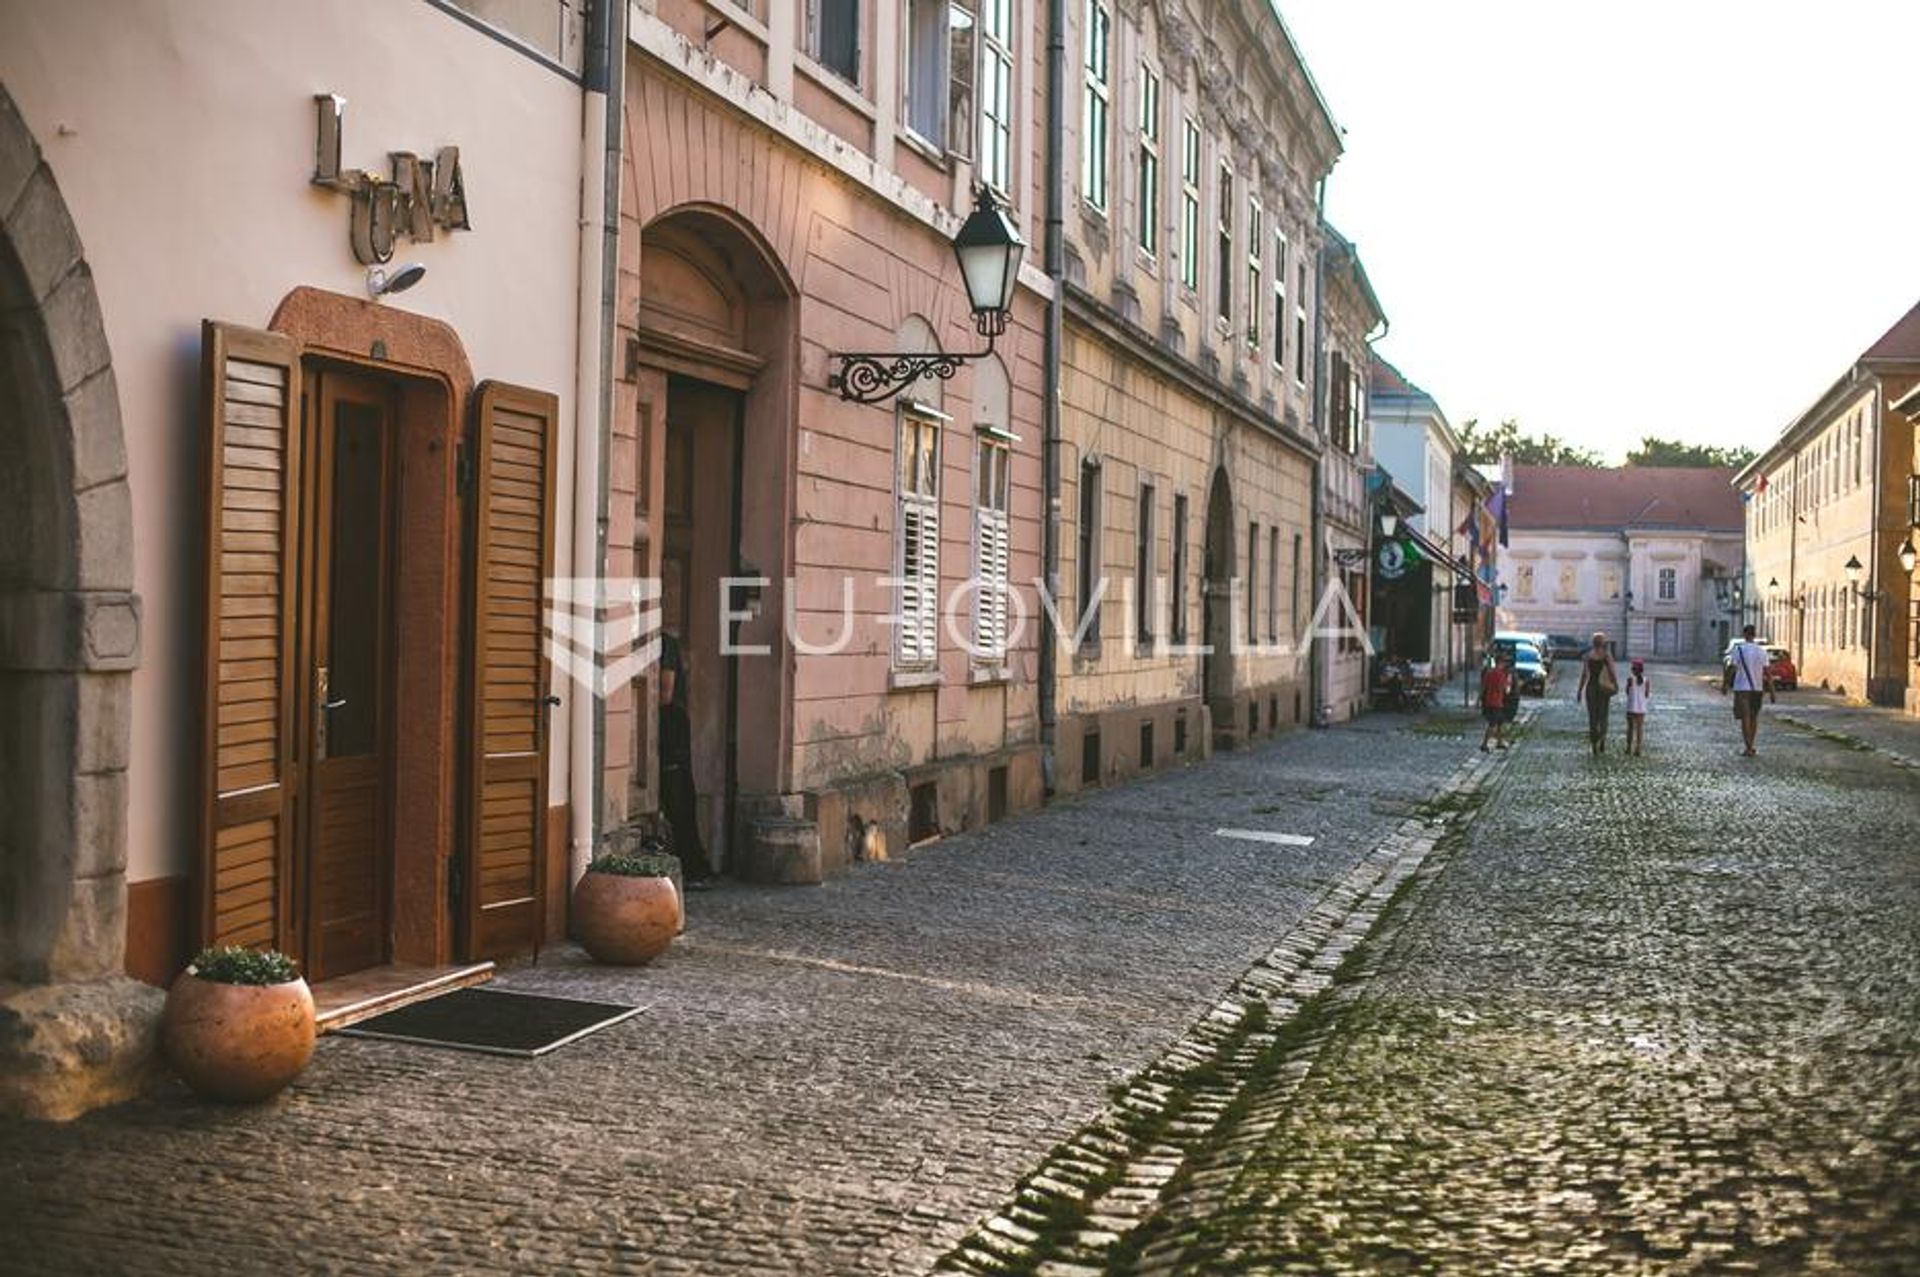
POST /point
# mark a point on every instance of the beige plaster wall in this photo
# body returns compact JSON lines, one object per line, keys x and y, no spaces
{"x":182,"y":135}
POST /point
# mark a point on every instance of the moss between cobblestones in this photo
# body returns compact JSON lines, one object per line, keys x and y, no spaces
{"x":1057,"y":1220}
{"x":1201,"y":1244}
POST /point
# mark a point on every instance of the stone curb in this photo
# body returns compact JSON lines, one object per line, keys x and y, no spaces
{"x":1109,"y":1177}
{"x":1906,"y":762}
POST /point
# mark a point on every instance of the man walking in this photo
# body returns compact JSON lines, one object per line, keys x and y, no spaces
{"x":1750,"y":683}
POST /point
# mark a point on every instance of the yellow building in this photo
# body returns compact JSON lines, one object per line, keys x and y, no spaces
{"x":1828,"y":509}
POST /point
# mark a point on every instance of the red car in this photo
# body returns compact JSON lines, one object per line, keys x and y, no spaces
{"x":1780,"y":669}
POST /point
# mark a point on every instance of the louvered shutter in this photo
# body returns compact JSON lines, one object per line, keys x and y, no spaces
{"x":251,"y":397}
{"x":514,"y":442}
{"x":990,"y":599}
{"x":919,"y":580}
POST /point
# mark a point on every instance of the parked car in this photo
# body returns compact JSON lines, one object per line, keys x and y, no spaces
{"x":1529,"y":669}
{"x":1565,"y":645}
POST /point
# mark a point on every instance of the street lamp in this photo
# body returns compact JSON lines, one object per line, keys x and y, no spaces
{"x":1773,"y":587}
{"x":1853,"y":569}
{"x":989,"y":250}
{"x":1389,"y":524}
{"x":1907,"y":556}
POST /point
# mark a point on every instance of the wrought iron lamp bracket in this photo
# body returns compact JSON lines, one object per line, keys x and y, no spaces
{"x":875,"y":376}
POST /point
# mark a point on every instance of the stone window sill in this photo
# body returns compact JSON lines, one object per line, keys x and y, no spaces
{"x":912,"y":680}
{"x":989,"y":675}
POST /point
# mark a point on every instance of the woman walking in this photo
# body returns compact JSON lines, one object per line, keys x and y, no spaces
{"x":1639,"y":695}
{"x":1599,"y":680}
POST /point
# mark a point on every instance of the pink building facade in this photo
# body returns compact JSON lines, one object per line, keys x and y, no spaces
{"x":789,"y":192}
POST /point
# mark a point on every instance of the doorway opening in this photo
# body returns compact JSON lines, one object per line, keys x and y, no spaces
{"x":1217,"y":612}
{"x":700,"y":550}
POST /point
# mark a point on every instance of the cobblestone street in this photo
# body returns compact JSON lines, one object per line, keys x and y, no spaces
{"x":1652,"y":1015}
{"x":1525,"y":1013}
{"x":834,"y":1080}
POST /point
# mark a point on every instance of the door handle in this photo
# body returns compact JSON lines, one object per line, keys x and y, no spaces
{"x":322,"y":703}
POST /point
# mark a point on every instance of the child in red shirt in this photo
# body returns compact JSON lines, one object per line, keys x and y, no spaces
{"x":1496,"y":686}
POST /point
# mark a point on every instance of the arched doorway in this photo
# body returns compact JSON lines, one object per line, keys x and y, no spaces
{"x":1218,"y":612}
{"x":69,"y":639}
{"x":714,"y":357}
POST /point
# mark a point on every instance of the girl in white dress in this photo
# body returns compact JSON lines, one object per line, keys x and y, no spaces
{"x":1638,"y":693}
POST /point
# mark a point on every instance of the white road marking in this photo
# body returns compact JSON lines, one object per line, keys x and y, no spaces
{"x":1261,"y":835}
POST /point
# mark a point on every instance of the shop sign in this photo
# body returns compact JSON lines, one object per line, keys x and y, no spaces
{"x":420,"y":195}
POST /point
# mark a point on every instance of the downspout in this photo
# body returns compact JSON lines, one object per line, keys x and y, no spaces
{"x":1316,"y":423}
{"x":1056,"y":257}
{"x":593,"y":395}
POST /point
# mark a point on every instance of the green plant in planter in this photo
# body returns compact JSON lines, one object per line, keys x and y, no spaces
{"x":645,"y":865}
{"x":231,"y":964}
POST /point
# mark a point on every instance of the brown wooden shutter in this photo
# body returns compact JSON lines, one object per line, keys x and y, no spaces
{"x":514,"y":442}
{"x":251,"y":392}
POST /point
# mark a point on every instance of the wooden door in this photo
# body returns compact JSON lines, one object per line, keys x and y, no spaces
{"x":251,"y":393}
{"x":346,"y":851}
{"x":513,"y":442}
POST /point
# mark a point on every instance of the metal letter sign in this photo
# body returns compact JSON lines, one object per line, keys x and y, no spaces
{"x":421,"y":194}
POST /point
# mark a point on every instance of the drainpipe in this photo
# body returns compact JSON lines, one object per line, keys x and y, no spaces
{"x":1056,"y":259}
{"x":600,"y":117}
{"x":1316,"y":423}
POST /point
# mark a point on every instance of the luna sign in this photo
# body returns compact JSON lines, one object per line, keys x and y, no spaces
{"x":421,"y":194}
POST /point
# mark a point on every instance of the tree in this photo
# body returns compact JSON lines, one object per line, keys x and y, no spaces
{"x":1486,"y":445}
{"x":1670,"y":452}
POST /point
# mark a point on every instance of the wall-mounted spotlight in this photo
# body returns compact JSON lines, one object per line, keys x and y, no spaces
{"x":382,"y":282}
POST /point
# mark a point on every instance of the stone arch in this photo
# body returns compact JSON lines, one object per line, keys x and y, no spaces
{"x":717,"y":306}
{"x":72,"y":1033}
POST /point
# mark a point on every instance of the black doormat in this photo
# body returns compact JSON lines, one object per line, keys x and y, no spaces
{"x":493,"y":1021}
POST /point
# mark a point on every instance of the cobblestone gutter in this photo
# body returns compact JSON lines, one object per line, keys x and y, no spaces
{"x":1118,"y":1195}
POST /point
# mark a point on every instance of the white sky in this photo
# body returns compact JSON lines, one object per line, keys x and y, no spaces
{"x":1610,"y":220}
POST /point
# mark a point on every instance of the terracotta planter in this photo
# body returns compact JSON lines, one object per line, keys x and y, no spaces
{"x":625,"y":920}
{"x":237,"y":1042}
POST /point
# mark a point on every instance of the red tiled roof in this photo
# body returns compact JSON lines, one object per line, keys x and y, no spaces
{"x":1385,"y":379}
{"x":1902,"y":341}
{"x":1581,"y":497}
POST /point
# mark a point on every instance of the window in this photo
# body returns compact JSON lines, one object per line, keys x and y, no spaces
{"x":1143,"y":582}
{"x":996,"y":94}
{"x":1279,"y":299}
{"x":1253,"y":576}
{"x":1093,"y":107}
{"x":1669,"y":585}
{"x":1273,"y":585}
{"x":1913,"y":515}
{"x":1224,"y":260}
{"x":1089,"y":565}
{"x":833,"y":36}
{"x":916,"y":636}
{"x":991,"y":540}
{"x":1179,"y":627}
{"x":1300,"y":323}
{"x":1190,"y":205}
{"x":1149,"y":161}
{"x":1254,"y":298}
{"x":926,"y":69}
{"x":1299,"y":583}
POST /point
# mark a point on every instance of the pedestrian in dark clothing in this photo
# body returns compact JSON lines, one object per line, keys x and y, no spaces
{"x":677,"y":794}
{"x":1599,"y":680}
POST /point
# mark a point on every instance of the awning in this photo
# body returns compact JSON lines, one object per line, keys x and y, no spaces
{"x":1439,"y":557}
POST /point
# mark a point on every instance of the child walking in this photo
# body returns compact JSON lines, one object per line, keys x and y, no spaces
{"x":1638,"y":693}
{"x":1497,"y":692}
